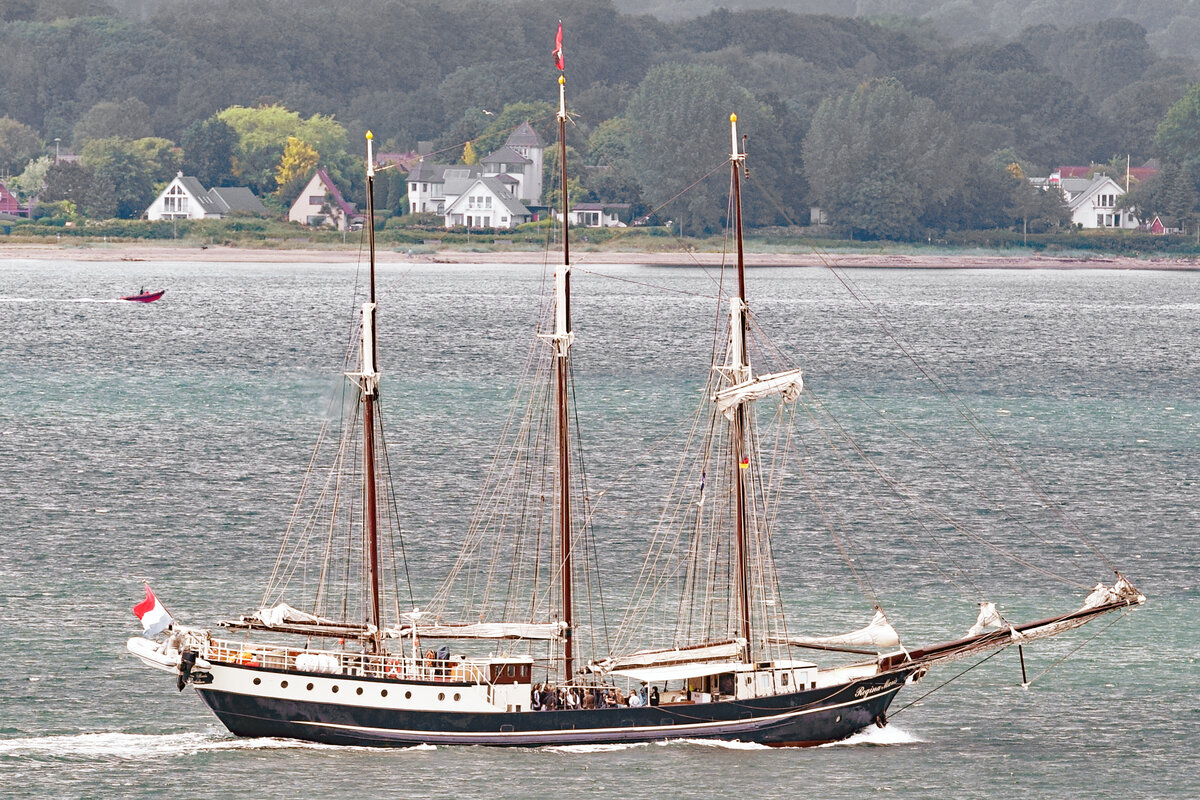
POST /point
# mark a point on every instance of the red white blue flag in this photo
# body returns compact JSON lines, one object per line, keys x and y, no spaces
{"x":558,"y":53}
{"x":154,"y":617}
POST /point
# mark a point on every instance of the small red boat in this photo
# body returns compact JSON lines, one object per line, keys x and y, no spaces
{"x":145,"y":297}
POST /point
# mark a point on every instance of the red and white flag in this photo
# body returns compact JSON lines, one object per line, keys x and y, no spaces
{"x":558,"y":54}
{"x":154,"y":617}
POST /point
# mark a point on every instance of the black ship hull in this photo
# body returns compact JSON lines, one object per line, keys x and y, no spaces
{"x":797,"y":719}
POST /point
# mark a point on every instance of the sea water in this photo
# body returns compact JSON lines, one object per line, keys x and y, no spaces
{"x":165,"y":442}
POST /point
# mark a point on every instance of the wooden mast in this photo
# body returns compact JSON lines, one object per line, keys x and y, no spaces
{"x":740,"y":362}
{"x":562,"y":347}
{"x":370,"y":388}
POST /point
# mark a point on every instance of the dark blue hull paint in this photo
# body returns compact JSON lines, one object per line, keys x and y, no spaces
{"x":801,"y":718}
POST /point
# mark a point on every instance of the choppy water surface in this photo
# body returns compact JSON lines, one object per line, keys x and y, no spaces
{"x":166,"y":441}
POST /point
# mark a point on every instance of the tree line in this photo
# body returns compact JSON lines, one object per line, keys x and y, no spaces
{"x":893,"y":129}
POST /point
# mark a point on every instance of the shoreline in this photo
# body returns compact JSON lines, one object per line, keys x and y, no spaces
{"x":97,"y":251}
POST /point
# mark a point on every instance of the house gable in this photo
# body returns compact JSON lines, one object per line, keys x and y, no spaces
{"x":9,"y":204}
{"x":320,"y":202}
{"x":486,"y":203}
{"x":185,"y":198}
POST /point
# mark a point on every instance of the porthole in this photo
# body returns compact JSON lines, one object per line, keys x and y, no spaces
{"x":784,"y":678}
{"x":839,"y":718}
{"x":383,"y":693}
{"x":283,"y":684}
{"x":358,"y":690}
{"x":408,"y":695}
{"x":335,"y":690}
{"x":310,"y":687}
{"x":441,"y":695}
{"x":457,"y":696}
{"x":257,"y":681}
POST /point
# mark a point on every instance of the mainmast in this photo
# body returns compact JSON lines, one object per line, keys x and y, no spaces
{"x":369,"y":383}
{"x":562,"y":347}
{"x":739,"y":367}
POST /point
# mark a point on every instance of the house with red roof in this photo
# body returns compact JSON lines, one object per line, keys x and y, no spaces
{"x":320,"y":202}
{"x":9,"y":204}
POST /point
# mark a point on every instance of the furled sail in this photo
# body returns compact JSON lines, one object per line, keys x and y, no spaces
{"x":989,"y":617}
{"x":1102,"y":600}
{"x":878,"y":633}
{"x":720,"y":651}
{"x":483,"y":630}
{"x":286,"y":619}
{"x":788,"y":384}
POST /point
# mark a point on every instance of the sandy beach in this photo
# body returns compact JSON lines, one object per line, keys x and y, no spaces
{"x":99,"y":251}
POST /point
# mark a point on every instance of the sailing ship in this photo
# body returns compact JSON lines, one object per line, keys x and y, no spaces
{"x":532,"y":669}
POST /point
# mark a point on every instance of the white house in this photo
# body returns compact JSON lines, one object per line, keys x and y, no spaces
{"x":185,"y":198}
{"x":525,"y":142}
{"x":517,"y":166}
{"x":1092,"y":201}
{"x":487,"y":202}
{"x":320,"y":202}
{"x":427,"y":185}
{"x":596,"y":215}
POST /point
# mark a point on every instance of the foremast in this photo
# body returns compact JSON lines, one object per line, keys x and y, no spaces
{"x":737,"y":368}
{"x":368,"y":383}
{"x":562,"y":348}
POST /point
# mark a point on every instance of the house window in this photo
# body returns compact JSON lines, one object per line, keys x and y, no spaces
{"x":412,"y":187}
{"x":1116,"y":220}
{"x":487,"y":201}
{"x":316,"y":199}
{"x":1108,"y":220}
{"x":1099,"y":220}
{"x":424,"y":187}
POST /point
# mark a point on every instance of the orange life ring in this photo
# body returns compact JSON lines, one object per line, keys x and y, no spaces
{"x":392,"y":667}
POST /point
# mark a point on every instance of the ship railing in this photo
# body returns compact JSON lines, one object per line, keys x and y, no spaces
{"x":336,"y":662}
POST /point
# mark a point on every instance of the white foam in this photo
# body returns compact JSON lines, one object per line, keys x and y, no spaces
{"x":115,"y":744}
{"x":594,"y":748}
{"x":722,"y":744}
{"x":60,"y":300}
{"x":878,"y":737}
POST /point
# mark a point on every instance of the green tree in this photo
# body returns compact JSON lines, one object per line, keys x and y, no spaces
{"x":679,"y":130}
{"x":208,"y":149}
{"x":19,"y":143}
{"x":875,"y":159}
{"x":1178,"y":144}
{"x":68,"y":180}
{"x":33,"y":179}
{"x":263,"y":133}
{"x":123,"y":176}
{"x":128,"y":119}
